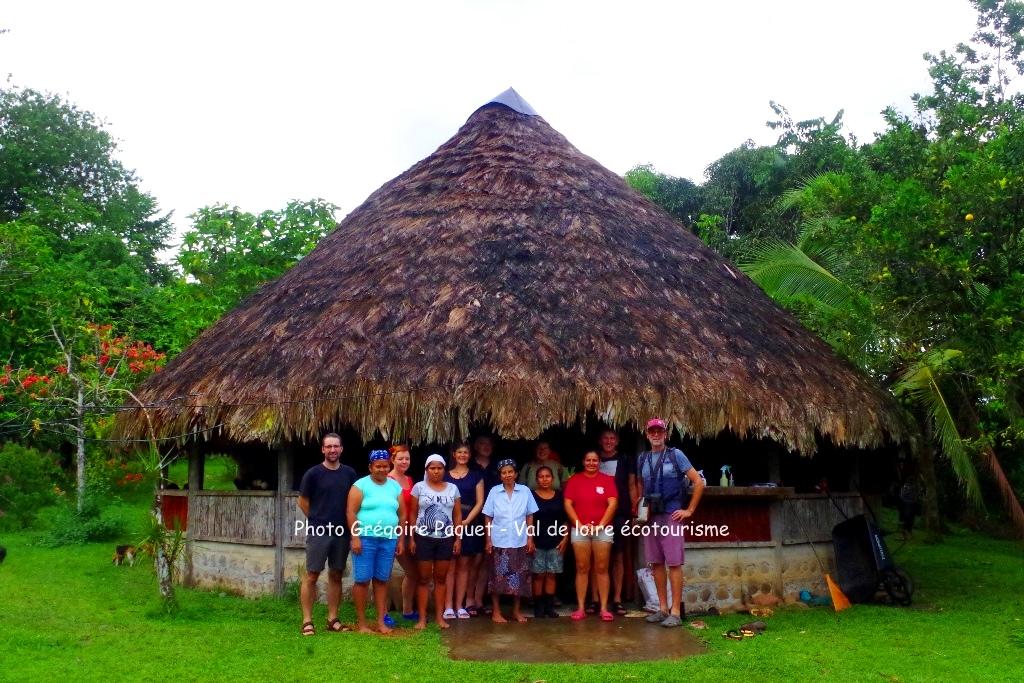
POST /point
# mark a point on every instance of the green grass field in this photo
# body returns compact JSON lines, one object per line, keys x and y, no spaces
{"x":68,"y":613}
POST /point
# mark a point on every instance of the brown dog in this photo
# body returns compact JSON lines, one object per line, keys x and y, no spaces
{"x":125,"y":553}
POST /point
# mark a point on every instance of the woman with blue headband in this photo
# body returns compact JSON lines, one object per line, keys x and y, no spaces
{"x":376,"y":518}
{"x":509,"y":510}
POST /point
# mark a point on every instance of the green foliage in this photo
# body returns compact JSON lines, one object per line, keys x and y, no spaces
{"x":905,"y":253}
{"x":28,"y":482}
{"x":67,"y":526}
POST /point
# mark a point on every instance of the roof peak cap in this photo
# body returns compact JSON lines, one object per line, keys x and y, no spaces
{"x":513,"y":100}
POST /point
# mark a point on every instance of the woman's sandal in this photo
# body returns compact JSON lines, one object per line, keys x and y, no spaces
{"x":607,"y":616}
{"x":591,"y":608}
{"x":733,"y":634}
{"x":473,"y":611}
{"x":578,"y":615}
{"x":618,"y":608}
{"x":335,"y":626}
{"x":308,"y":629}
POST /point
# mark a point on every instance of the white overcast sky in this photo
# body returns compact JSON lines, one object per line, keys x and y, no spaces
{"x":254,"y":104}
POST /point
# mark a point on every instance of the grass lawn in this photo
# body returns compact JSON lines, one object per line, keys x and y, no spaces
{"x":68,"y":613}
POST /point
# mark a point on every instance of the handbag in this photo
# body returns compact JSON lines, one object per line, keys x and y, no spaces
{"x":643,"y":510}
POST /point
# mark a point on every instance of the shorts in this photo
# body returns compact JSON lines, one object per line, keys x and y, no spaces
{"x":429,"y":548}
{"x":664,"y":545}
{"x":603,"y":534}
{"x":547,"y":561}
{"x":620,"y":539}
{"x":473,"y":539}
{"x":375,"y":560}
{"x":329,"y":550}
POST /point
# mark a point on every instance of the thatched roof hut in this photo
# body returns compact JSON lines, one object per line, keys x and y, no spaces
{"x":510,"y":278}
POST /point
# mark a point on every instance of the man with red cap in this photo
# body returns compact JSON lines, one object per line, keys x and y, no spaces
{"x":662,"y":473}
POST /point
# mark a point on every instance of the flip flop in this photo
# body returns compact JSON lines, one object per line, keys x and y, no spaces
{"x":733,"y":634}
{"x":754,"y":626}
{"x":607,"y":616}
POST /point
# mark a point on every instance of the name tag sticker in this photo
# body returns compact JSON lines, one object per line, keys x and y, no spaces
{"x":600,"y":489}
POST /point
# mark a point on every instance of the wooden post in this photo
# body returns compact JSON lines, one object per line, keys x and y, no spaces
{"x":775,"y":467}
{"x":196,"y":470}
{"x":777,"y":522}
{"x":285,"y":459}
{"x":196,"y":465}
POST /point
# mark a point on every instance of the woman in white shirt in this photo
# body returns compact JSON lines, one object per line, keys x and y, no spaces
{"x":509,"y":512}
{"x":435,"y":507}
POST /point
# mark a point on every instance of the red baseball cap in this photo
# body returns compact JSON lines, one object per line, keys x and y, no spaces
{"x":655,"y":423}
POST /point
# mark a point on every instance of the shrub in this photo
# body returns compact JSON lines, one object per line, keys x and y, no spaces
{"x":67,"y":526}
{"x":28,"y":482}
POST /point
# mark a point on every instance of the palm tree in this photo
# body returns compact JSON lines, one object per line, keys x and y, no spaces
{"x":809,"y":274}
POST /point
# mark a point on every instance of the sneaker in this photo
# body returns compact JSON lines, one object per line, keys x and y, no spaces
{"x":656,"y":618}
{"x":463,"y":614}
{"x":671,"y":620}
{"x":448,"y":614}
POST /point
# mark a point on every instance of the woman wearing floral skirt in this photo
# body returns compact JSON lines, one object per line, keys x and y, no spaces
{"x":509,"y":510}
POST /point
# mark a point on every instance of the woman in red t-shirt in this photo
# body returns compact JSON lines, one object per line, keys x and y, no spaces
{"x":590,"y":502}
{"x":400,"y":461}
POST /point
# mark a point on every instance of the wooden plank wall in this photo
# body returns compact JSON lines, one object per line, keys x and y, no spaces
{"x":815,"y":517}
{"x":291,"y":515}
{"x":233,"y":517}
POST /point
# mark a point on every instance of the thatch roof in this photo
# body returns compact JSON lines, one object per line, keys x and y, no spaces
{"x":511,"y":278}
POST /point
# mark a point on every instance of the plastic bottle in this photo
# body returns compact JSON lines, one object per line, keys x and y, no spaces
{"x":725,"y":480}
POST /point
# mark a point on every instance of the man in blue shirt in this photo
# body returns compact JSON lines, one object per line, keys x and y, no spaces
{"x":662,"y":473}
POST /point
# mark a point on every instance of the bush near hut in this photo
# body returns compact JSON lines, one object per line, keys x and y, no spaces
{"x":28,"y":482}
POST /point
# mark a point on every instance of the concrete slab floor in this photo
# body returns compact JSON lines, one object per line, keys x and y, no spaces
{"x":562,"y":640}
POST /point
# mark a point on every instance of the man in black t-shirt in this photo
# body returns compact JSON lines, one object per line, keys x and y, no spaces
{"x":623,"y":468}
{"x":323,"y":495}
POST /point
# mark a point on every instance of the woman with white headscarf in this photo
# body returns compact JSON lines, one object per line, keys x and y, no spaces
{"x":437,"y":514}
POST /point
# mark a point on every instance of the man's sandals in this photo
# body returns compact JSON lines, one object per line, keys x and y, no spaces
{"x":308,"y":629}
{"x":335,"y":626}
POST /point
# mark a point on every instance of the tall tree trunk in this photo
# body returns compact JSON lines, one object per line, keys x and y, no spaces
{"x":163,"y":565}
{"x":80,"y":448}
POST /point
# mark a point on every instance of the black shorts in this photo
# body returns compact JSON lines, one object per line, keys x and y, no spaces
{"x":619,"y":540}
{"x":329,"y":550}
{"x":429,"y":549}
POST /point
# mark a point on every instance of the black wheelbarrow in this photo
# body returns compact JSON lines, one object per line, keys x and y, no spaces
{"x":864,"y":566}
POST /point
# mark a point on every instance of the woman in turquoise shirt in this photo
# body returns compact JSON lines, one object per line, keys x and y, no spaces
{"x":376,"y":518}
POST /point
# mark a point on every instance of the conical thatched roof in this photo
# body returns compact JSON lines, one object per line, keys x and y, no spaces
{"x":509,"y":277}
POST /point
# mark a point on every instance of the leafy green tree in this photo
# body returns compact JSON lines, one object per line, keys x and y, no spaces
{"x":226,"y":255}
{"x":78,"y":239}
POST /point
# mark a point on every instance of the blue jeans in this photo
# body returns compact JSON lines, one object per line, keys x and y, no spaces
{"x":376,"y":559}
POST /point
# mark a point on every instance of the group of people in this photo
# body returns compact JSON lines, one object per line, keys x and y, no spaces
{"x":472,"y":527}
